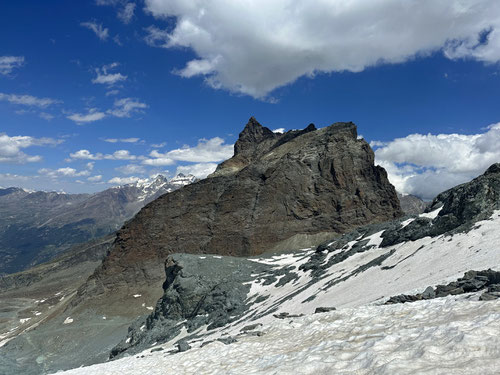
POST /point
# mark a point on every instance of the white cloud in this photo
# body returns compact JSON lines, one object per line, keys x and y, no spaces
{"x":112,"y":92}
{"x":254,"y":47}
{"x":159,"y":145}
{"x":158,"y":161}
{"x":28,"y":100}
{"x":125,"y":180}
{"x":9,"y":63}
{"x":200,"y":170}
{"x":87,"y":155}
{"x":126,"y":13}
{"x":101,"y":32}
{"x":46,"y":116}
{"x":122,"y":108}
{"x":207,"y":150}
{"x":106,"y":78}
{"x":131,"y":169}
{"x":126,"y":107}
{"x":62,"y":172}
{"x":95,"y":178}
{"x":279,"y":130}
{"x":426,"y":165}
{"x":92,"y":115}
{"x":124,"y":140}
{"x":121,"y":155}
{"x":11,"y":148}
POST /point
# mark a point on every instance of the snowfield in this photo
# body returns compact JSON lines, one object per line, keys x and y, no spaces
{"x":452,"y":335}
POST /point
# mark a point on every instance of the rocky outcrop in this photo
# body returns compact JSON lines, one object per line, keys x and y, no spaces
{"x":309,"y":184}
{"x":198,"y":291}
{"x":460,"y":208}
{"x":473,"y":281}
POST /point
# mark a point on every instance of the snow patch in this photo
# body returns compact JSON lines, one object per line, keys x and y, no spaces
{"x":432,"y":214}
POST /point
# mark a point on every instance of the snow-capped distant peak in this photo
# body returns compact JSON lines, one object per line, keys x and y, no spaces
{"x":182,"y":179}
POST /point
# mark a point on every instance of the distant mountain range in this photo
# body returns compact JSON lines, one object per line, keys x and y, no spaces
{"x":36,"y":226}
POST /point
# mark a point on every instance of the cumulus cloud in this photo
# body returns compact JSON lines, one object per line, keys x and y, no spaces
{"x":28,"y":100}
{"x":122,"y":108}
{"x":130,"y":169}
{"x":101,"y":32}
{"x":254,"y":47}
{"x":9,"y":63}
{"x":200,"y":170}
{"x":92,"y":115}
{"x":104,"y":77}
{"x":96,"y":178}
{"x":87,"y":155}
{"x":425,"y":165}
{"x":207,"y":150}
{"x":158,"y":160}
{"x":121,"y":155}
{"x":126,"y":107}
{"x":126,"y":180}
{"x":11,"y":148}
{"x":63,"y":172}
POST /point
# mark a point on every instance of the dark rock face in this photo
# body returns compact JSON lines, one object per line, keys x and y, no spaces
{"x":461,"y":207}
{"x":277,"y":187}
{"x":473,"y":281}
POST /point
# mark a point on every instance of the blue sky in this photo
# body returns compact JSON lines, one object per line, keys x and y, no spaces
{"x":101,"y":92}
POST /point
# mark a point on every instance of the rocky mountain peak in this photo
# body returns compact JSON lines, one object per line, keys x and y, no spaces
{"x":495,"y":168}
{"x":252,"y":135}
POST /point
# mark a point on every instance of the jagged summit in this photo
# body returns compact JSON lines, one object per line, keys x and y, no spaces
{"x":255,"y":141}
{"x":253,"y":134}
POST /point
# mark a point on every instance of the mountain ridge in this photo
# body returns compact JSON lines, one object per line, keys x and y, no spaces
{"x":36,"y":226}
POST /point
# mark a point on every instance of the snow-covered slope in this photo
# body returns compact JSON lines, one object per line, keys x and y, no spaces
{"x":362,"y":335}
{"x":449,"y":335}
